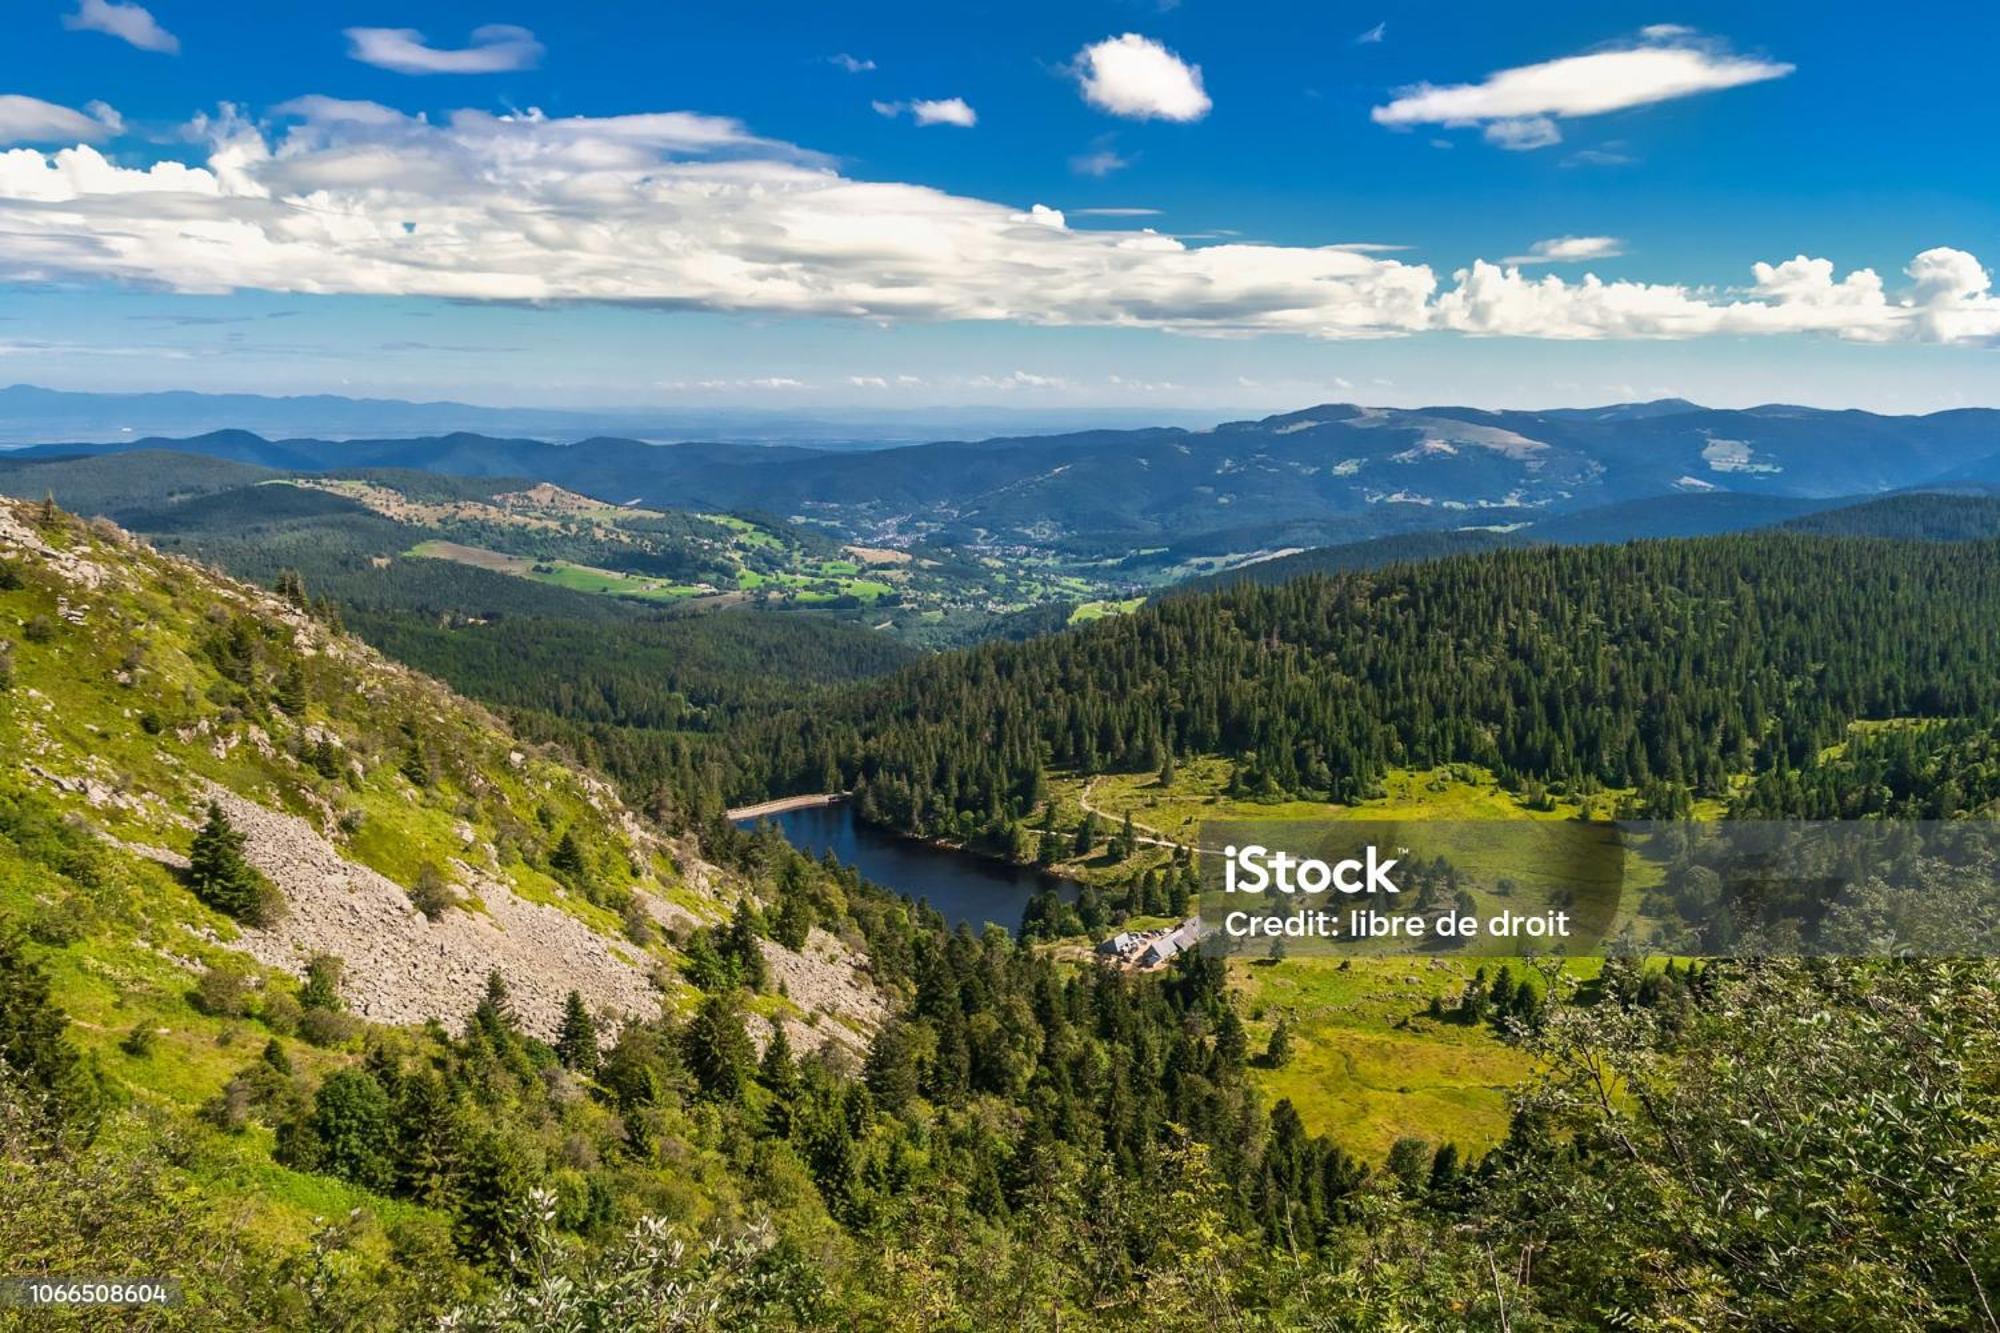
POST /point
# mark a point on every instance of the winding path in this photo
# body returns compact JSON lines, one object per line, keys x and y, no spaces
{"x":1150,"y":836}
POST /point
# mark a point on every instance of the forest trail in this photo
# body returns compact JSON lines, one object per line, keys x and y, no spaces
{"x":1141,"y":833}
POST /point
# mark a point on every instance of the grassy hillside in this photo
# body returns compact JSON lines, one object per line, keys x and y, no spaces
{"x":143,"y":690}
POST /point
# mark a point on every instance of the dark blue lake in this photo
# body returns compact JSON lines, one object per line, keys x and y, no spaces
{"x":961,"y":886}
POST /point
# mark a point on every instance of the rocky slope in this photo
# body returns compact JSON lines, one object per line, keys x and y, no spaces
{"x":136,"y":689}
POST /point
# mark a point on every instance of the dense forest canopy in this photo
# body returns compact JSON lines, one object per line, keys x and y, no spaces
{"x":1688,"y":663}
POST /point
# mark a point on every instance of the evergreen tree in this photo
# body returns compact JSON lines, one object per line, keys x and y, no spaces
{"x":892,"y":1068}
{"x":350,"y":1126}
{"x":34,"y":1047}
{"x":576,"y":1045}
{"x":795,"y":921}
{"x":292,"y":587}
{"x":744,"y":948}
{"x":716,"y":1048}
{"x":1278,"y":1051}
{"x":322,"y":984}
{"x":778,"y":1071}
{"x":221,"y":877}
{"x":566,"y":861}
{"x":293,"y":695}
{"x":494,"y":1014}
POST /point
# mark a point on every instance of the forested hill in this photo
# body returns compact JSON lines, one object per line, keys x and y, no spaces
{"x":1669,"y":665}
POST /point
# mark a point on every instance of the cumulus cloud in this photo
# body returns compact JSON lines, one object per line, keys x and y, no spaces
{"x":683,"y":211}
{"x":1518,"y":107}
{"x":1136,"y":77}
{"x":495,"y":48}
{"x":129,"y":23}
{"x":1570,"y":250}
{"x":1374,"y":35}
{"x":944,"y":111}
{"x":852,"y":64}
{"x":31,"y":120}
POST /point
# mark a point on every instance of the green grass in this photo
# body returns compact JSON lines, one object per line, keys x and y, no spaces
{"x":1089,"y":611}
{"x":1368,"y":1067}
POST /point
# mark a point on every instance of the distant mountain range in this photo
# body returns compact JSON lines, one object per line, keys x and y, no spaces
{"x":1915,"y":516}
{"x":32,"y":415}
{"x":1324,"y":475}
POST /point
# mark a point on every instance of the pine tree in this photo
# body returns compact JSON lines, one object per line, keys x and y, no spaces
{"x":34,"y":1046}
{"x":744,"y":948}
{"x":429,"y":1135}
{"x":795,"y":921}
{"x":576,"y":1044}
{"x":292,"y":690}
{"x":222,"y":878}
{"x":292,"y":587}
{"x":567,"y":862}
{"x":777,"y":1070}
{"x":494,"y":1014}
{"x":1278,"y":1051}
{"x":716,"y":1048}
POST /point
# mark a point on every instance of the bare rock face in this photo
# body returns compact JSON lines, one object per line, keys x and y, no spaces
{"x":69,"y":565}
{"x":402,"y":968}
{"x":828,"y":982}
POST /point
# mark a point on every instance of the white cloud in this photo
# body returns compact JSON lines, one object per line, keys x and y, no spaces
{"x":1019,"y":379}
{"x":127,"y":22}
{"x":1610,"y":155}
{"x":1570,"y":250}
{"x":496,"y":48}
{"x":681,"y":211}
{"x":852,"y":64}
{"x":1949,"y":300}
{"x":31,"y":120}
{"x":1516,"y":105}
{"x":1374,"y":35}
{"x":1140,"y":79}
{"x":945,"y":111}
{"x":1099,"y":162}
{"x":1522,"y":135}
{"x":1116,"y":212}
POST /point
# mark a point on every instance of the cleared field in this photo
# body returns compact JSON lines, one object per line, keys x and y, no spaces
{"x":1089,"y":611}
{"x":1368,"y":1067}
{"x":579,"y":578}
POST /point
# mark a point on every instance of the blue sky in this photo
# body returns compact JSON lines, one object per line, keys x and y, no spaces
{"x":894,"y":205}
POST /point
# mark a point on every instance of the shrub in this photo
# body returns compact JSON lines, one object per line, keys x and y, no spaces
{"x":432,"y":893}
{"x":322,"y":984}
{"x":328,"y":1027}
{"x":280,"y":1012}
{"x":223,"y":991}
{"x":138,"y":1043}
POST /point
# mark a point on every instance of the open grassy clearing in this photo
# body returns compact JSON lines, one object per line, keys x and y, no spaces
{"x":1368,"y":1067}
